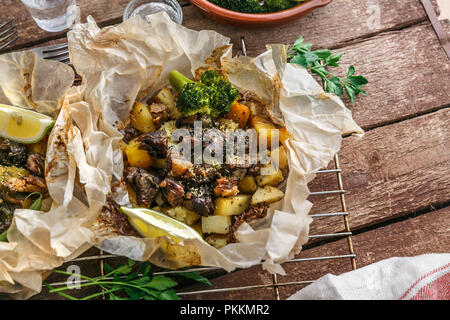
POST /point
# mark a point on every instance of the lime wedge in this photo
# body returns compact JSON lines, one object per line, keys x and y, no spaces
{"x":23,"y":126}
{"x":152,"y":224}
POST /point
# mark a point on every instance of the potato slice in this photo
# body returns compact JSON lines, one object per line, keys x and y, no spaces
{"x":184,"y":215}
{"x":282,"y":157}
{"x":232,"y":205}
{"x":216,"y":224}
{"x":263,"y":128}
{"x":248,"y":184}
{"x":166,"y":97}
{"x":267,"y":194}
{"x":269,"y":176}
{"x":141,"y":118}
{"x":217,"y":240}
{"x":137,"y":157}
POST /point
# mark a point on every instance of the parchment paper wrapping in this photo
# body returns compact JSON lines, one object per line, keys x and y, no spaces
{"x":131,"y":61}
{"x":41,"y":241}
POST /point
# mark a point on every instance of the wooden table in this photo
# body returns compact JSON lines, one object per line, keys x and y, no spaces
{"x":397,"y":178}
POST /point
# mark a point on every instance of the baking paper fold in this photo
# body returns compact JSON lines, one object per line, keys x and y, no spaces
{"x":41,"y":241}
{"x":131,"y":61}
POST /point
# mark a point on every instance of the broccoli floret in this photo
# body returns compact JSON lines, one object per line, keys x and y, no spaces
{"x":254,"y":6}
{"x":222,"y":94}
{"x":210,"y":77}
{"x":246,"y":6}
{"x":279,"y":5}
{"x":212,"y":95}
{"x":193,"y":99}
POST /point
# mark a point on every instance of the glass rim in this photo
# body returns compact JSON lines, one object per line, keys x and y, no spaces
{"x":127,"y":11}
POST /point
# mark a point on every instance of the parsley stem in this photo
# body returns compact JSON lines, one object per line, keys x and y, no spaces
{"x":100,"y":293}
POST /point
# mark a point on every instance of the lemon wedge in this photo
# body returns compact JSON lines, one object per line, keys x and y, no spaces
{"x":152,"y":224}
{"x":23,"y":126}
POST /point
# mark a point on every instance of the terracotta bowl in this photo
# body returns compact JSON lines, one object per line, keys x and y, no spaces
{"x":250,"y":20}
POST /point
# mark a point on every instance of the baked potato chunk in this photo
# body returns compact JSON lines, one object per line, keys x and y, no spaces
{"x":267,"y":194}
{"x":269,"y":176}
{"x":263,"y":128}
{"x":137,"y":157}
{"x":217,"y":240}
{"x":232,"y":205}
{"x":184,"y":215}
{"x":216,"y":224}
{"x":166,"y":97}
{"x":141,"y":118}
{"x":280,"y":152}
{"x":248,"y":184}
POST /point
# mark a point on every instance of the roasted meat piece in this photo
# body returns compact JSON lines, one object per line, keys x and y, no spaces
{"x":12,"y":153}
{"x":253,"y":212}
{"x":111,"y":221}
{"x":187,"y":121}
{"x":6,"y":214}
{"x":173,"y":191}
{"x":200,"y":200}
{"x":159,"y":113}
{"x":226,"y":187}
{"x":129,"y":133}
{"x":144,"y":184}
{"x":36,"y":164}
{"x":155,"y":143}
{"x":14,"y":180}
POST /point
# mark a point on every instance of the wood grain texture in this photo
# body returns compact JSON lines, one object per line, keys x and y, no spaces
{"x":335,"y":25}
{"x":427,"y":233}
{"x":323,"y":26}
{"x":392,"y":171}
{"x":408,"y":73}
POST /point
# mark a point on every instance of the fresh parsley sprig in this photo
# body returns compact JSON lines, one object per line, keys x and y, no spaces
{"x":317,"y":62}
{"x":124,"y":282}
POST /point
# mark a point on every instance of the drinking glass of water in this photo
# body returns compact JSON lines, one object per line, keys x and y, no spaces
{"x":53,"y":15}
{"x":146,"y":7}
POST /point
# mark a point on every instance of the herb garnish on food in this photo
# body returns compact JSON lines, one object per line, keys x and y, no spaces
{"x":317,"y":62}
{"x":125,"y":282}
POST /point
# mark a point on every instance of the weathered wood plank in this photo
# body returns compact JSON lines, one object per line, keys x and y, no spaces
{"x":427,"y":233}
{"x":331,"y":26}
{"x":408,"y":73}
{"x":323,"y":26}
{"x":392,"y":171}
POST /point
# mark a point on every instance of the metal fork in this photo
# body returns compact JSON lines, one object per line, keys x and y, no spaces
{"x":8,"y":33}
{"x":57,"y":52}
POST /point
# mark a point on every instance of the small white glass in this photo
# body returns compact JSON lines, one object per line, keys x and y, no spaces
{"x":146,"y":7}
{"x":53,"y":15}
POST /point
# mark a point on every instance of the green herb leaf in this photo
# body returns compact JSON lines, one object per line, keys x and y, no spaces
{"x":318,"y":62}
{"x":127,"y":284}
{"x":4,"y":236}
{"x":196,"y":277}
{"x":161,"y":282}
{"x":168,"y":295}
{"x":322,"y":54}
{"x":36,"y":204}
